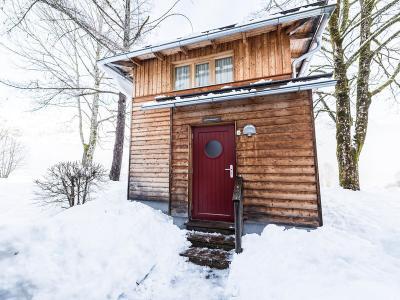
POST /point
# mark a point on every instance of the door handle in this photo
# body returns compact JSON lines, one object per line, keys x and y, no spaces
{"x":230,"y":171}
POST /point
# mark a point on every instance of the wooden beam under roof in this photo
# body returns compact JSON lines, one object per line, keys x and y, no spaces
{"x":184,"y":49}
{"x":213,"y":44}
{"x":301,"y":36}
{"x":159,"y":55}
{"x":296,"y":26}
{"x":124,"y":63}
{"x":136,"y":61}
{"x":244,"y":37}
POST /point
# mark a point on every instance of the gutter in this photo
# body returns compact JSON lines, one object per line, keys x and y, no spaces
{"x":307,"y":56}
{"x":325,"y":10}
{"x":126,"y":85}
{"x":244,"y":94}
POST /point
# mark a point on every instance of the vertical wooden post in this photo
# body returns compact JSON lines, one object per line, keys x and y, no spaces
{"x":238,"y":212}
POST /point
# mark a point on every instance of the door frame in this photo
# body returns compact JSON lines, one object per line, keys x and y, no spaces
{"x":190,"y":166}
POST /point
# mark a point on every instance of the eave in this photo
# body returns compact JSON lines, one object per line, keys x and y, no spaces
{"x":120,"y":66}
{"x":248,"y":91}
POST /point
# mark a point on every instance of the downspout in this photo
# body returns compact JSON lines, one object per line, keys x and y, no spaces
{"x":307,"y":56}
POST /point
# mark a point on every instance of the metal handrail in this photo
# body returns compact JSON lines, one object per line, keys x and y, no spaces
{"x":237,"y":199}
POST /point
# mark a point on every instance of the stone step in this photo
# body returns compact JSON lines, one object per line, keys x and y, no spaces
{"x":211,"y":240}
{"x":213,"y":258}
{"x":211,"y":226}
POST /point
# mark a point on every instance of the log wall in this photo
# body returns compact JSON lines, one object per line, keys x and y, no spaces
{"x":277,"y":164}
{"x":149,"y":154}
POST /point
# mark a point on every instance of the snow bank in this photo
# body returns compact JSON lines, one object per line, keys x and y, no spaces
{"x":355,"y":255}
{"x":100,"y":250}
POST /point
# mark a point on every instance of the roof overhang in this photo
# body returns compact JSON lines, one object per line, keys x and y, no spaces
{"x":237,"y":93}
{"x":296,"y":14}
{"x":118,"y":66}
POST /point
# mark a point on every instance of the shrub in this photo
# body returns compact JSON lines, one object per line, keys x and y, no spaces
{"x":70,"y":183}
{"x":11,"y":156}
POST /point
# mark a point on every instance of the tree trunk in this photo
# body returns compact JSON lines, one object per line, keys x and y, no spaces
{"x":119,"y":139}
{"x":363,"y":100}
{"x":345,"y":152}
{"x":89,"y":148}
{"x":120,"y":130}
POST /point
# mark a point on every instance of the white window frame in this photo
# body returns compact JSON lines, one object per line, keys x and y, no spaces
{"x":210,"y":59}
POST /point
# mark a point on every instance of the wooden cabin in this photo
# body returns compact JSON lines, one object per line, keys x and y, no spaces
{"x":227,"y":104}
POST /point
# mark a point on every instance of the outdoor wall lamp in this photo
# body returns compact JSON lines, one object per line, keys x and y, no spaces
{"x":249,"y":130}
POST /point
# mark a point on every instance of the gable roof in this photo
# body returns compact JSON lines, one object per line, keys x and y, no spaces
{"x":311,"y":16}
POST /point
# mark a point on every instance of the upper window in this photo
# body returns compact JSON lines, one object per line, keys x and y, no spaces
{"x":223,"y":70}
{"x":203,"y":72}
{"x":182,"y":78}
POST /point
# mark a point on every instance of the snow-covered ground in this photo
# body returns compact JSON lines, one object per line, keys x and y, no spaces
{"x":355,"y":255}
{"x":101,"y":250}
{"x":115,"y":249}
{"x":105,"y":249}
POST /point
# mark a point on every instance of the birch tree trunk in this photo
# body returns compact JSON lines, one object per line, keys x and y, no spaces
{"x":115,"y":171}
{"x":89,"y":148}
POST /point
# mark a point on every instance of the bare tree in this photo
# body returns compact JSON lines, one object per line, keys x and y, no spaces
{"x":11,"y":153}
{"x":128,"y":22}
{"x":69,"y":183}
{"x":361,"y":47}
{"x":65,"y":58}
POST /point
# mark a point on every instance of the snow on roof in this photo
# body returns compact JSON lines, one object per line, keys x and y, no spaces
{"x":264,"y":88}
{"x":298,"y":13}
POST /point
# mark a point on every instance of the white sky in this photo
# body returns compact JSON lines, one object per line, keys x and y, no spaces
{"x":50,"y":135}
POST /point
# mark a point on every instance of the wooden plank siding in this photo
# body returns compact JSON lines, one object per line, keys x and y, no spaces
{"x":149,"y":154}
{"x":277,"y":164}
{"x":264,"y":55}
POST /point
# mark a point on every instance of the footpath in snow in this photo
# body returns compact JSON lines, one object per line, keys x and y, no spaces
{"x":114,"y":249}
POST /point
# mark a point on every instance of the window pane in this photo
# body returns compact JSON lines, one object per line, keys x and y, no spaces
{"x":202,"y":74}
{"x":223,"y":70}
{"x":182,"y":78}
{"x":213,"y":149}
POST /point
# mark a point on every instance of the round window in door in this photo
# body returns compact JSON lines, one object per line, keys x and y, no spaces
{"x":213,"y":149}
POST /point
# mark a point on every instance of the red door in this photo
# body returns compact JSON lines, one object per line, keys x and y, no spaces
{"x":214,"y":169}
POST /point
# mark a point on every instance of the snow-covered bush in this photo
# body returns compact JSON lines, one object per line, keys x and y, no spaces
{"x":70,"y":183}
{"x":11,"y":153}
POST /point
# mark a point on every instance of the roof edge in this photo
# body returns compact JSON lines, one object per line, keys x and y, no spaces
{"x":241,"y":92}
{"x":280,"y":18}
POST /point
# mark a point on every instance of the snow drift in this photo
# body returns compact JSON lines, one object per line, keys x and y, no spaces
{"x":105,"y":249}
{"x":111,"y":248}
{"x":355,"y":255}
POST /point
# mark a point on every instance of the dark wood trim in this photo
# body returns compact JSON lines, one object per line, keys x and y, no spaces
{"x":320,"y":220}
{"x":171,"y":112}
{"x":130,"y":156}
{"x":190,"y":170}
